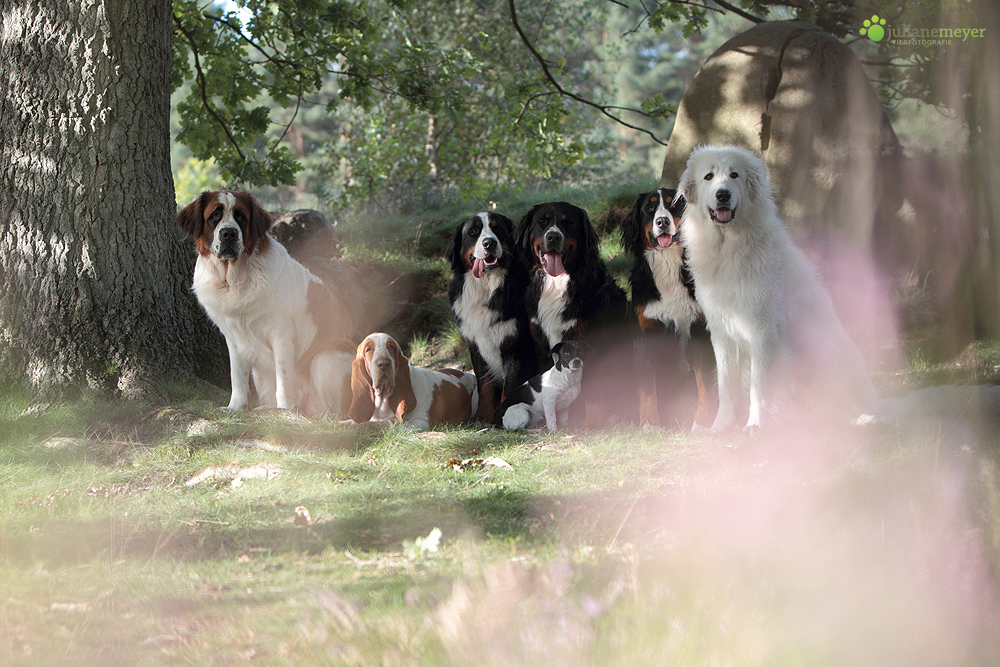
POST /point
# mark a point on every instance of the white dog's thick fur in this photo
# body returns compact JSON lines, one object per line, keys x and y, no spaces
{"x":770,"y":318}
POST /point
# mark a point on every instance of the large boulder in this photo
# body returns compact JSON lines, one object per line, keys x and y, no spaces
{"x":799,"y":97}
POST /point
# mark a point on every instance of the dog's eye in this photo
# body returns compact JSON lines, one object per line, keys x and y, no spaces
{"x":239,"y":216}
{"x":734,"y":175}
{"x":709,"y":176}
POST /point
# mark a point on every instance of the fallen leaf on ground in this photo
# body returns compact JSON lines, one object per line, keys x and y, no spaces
{"x":235,"y":474}
{"x":64,"y":443}
{"x":423,"y":546}
{"x":476,"y":463}
{"x":302,"y":516}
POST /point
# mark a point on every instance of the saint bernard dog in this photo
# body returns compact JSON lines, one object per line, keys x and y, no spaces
{"x":281,"y":324}
{"x":486,"y":292}
{"x":573,"y":296}
{"x":387,"y":388}
{"x":673,"y":334}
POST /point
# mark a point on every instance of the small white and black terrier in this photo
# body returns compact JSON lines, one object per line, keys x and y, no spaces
{"x":548,"y":395}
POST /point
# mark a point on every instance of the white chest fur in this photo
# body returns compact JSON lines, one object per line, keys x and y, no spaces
{"x":481,"y":324}
{"x":256,"y":299}
{"x":675,"y":303}
{"x":560,"y":387}
{"x":550,"y":309}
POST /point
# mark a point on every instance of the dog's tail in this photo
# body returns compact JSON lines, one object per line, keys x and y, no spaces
{"x":947,"y":402}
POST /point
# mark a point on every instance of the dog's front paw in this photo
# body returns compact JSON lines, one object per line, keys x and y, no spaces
{"x":752,"y":431}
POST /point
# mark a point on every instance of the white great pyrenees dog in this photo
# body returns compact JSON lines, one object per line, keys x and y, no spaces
{"x":770,"y":318}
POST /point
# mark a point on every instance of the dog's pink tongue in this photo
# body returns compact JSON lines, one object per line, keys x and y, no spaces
{"x":553,"y":264}
{"x":724,"y":214}
{"x":664,"y":240}
{"x":478,"y":266}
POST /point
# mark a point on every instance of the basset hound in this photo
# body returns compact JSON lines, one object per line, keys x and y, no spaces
{"x":386,"y":387}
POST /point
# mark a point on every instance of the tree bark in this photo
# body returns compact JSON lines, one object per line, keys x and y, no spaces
{"x":94,"y":275}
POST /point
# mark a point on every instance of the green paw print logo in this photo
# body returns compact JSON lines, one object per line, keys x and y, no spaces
{"x":874,"y":29}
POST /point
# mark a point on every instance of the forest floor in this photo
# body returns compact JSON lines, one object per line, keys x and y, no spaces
{"x":175,"y":533}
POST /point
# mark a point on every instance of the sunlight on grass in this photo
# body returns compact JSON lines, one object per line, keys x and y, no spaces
{"x":132,"y":534}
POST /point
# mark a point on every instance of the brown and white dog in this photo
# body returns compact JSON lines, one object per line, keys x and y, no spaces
{"x":281,"y":324}
{"x":386,"y":387}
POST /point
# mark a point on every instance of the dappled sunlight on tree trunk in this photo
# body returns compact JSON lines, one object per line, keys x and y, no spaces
{"x":94,"y":273}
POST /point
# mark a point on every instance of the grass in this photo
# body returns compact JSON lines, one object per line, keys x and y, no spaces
{"x":609,"y":547}
{"x":179,"y":534}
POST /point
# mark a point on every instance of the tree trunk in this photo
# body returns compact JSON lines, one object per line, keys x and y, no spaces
{"x":94,"y":275}
{"x":431,"y":150}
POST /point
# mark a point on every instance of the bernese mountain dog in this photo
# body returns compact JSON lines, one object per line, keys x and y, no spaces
{"x":489,"y":280}
{"x":673,"y":337}
{"x":573,"y":296}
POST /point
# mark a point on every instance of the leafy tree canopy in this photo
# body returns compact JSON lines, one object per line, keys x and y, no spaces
{"x":463,"y":95}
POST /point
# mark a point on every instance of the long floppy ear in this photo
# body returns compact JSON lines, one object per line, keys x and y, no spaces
{"x":592,"y":242}
{"x":454,"y":253}
{"x":402,"y":394}
{"x":677,"y":205}
{"x":630,"y":228}
{"x":192,"y":218}
{"x":260,"y":221}
{"x":554,"y":352}
{"x":523,"y":240}
{"x":685,"y":188}
{"x":362,"y":395}
{"x":757,"y":182}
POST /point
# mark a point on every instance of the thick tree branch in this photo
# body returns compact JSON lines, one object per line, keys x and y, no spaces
{"x":204,"y":92}
{"x":604,"y":109}
{"x":736,"y":10}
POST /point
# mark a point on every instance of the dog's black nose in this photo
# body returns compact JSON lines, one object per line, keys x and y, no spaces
{"x":722,"y":196}
{"x":553,"y":238}
{"x":229,"y":234}
{"x":489,"y":245}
